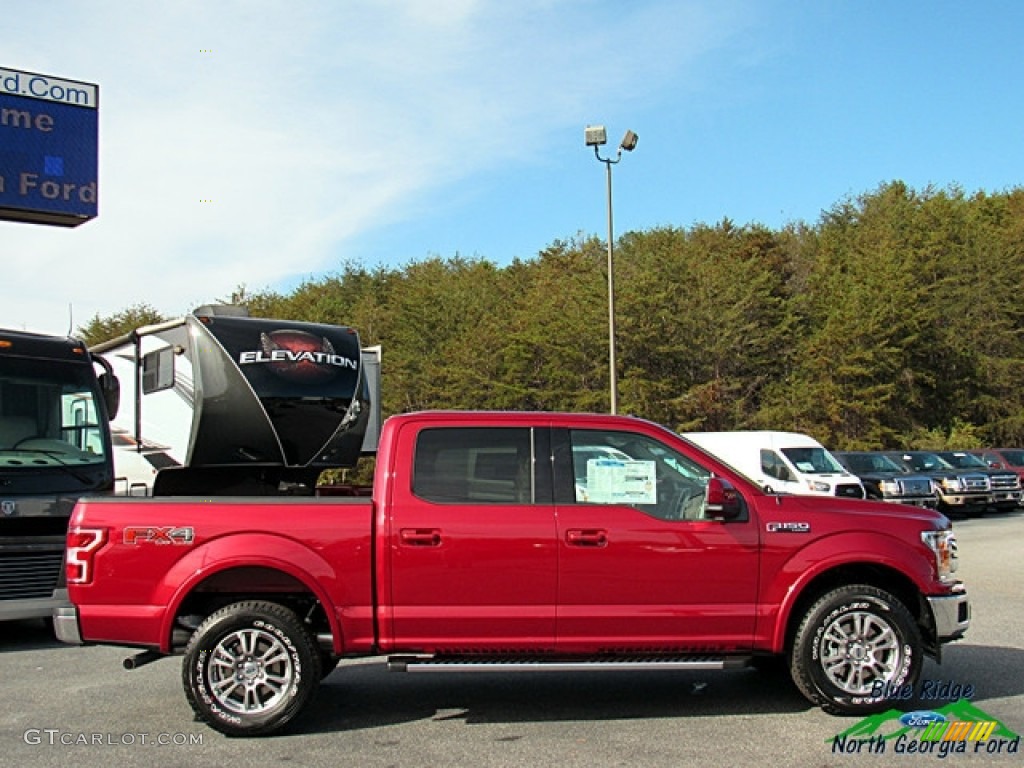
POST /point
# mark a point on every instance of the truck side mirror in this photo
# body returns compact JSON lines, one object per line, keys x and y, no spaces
{"x":110,"y":387}
{"x":723,"y":502}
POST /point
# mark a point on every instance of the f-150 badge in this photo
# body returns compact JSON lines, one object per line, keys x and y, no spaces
{"x":149,"y":534}
{"x":788,"y":527}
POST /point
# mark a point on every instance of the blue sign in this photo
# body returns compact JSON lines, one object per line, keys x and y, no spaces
{"x":49,"y":161}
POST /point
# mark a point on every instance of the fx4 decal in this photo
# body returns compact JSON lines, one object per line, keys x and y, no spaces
{"x":149,"y":534}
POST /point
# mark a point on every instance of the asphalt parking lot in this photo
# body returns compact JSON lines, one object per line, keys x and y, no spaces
{"x":65,"y":705}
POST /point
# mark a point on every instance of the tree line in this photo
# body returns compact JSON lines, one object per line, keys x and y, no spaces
{"x":893,"y":321}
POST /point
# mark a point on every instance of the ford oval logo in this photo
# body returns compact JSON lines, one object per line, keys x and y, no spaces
{"x":921,"y":718}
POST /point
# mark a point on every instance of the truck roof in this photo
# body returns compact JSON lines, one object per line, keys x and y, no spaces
{"x":764,"y":438}
{"x":38,"y":345}
{"x":550,"y":418}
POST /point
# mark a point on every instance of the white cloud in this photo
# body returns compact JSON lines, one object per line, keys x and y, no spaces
{"x":305,"y":124}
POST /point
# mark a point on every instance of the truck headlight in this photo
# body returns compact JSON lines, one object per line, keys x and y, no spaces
{"x":889,"y":487}
{"x":943,"y":544}
{"x":819,"y":487}
{"x":952,"y":483}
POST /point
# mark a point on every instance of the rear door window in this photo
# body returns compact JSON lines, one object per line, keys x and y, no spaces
{"x":477,"y":465}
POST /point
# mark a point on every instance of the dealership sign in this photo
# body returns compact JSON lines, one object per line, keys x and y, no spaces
{"x":48,"y":149}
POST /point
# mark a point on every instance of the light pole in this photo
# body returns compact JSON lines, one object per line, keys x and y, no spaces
{"x":596,"y":137}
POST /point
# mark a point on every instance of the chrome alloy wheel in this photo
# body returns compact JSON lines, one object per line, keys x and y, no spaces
{"x":250,"y":670}
{"x":858,"y":649}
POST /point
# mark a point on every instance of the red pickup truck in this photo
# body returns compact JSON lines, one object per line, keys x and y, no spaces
{"x":516,"y":541}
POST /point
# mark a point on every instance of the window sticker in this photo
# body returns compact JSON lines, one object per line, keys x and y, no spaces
{"x":611,"y":481}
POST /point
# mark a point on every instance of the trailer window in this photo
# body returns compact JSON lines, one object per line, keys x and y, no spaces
{"x":158,"y":370}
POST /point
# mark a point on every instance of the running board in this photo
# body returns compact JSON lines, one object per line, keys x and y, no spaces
{"x":505,"y":664}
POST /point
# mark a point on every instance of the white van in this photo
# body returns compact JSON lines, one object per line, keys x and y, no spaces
{"x":781,"y":462}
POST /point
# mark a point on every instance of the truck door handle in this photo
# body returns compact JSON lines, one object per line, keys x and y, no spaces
{"x":421,"y":537}
{"x":591,"y":537}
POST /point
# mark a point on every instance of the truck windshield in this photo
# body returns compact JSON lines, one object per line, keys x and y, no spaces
{"x":812,"y":461}
{"x":49,"y":415}
{"x":926,"y":462}
{"x":964,"y":460}
{"x":872,"y":462}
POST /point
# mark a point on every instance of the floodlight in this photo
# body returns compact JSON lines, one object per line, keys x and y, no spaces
{"x":595,"y":135}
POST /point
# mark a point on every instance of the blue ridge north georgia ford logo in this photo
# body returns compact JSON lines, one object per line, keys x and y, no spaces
{"x":958,"y":728}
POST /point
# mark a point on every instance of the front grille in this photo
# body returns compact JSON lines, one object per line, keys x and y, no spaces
{"x":850,"y":491}
{"x":1009,"y":482}
{"x":29,"y":575}
{"x":915,"y":486}
{"x":973,"y":483}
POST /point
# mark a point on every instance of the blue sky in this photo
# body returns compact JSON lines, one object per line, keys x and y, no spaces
{"x":386,"y":132}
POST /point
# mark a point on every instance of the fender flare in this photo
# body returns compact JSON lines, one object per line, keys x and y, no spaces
{"x":840,"y":551}
{"x":224,"y":553}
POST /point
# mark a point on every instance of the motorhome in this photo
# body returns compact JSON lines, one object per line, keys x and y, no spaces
{"x":54,"y":448}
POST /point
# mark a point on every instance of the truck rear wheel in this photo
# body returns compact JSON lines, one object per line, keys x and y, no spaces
{"x":250,"y":668}
{"x":853,"y":648}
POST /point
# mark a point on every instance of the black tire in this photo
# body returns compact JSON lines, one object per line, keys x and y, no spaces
{"x":855,"y":644}
{"x":250,"y":668}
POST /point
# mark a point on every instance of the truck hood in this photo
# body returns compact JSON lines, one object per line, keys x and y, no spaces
{"x":878,"y":475}
{"x":816,"y":506}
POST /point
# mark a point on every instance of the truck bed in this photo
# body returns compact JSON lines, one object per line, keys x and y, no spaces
{"x":166,"y":548}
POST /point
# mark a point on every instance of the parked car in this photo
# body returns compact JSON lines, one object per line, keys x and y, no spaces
{"x":1006,"y":491}
{"x":885,"y":480}
{"x":459,"y":561}
{"x":781,"y":462}
{"x":1003,"y":458}
{"x":961,"y":492}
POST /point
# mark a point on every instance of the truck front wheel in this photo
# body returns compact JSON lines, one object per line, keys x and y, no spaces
{"x":853,"y":648}
{"x":250,"y":668}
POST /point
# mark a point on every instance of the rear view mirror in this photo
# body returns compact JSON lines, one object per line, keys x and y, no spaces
{"x":723,"y":501}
